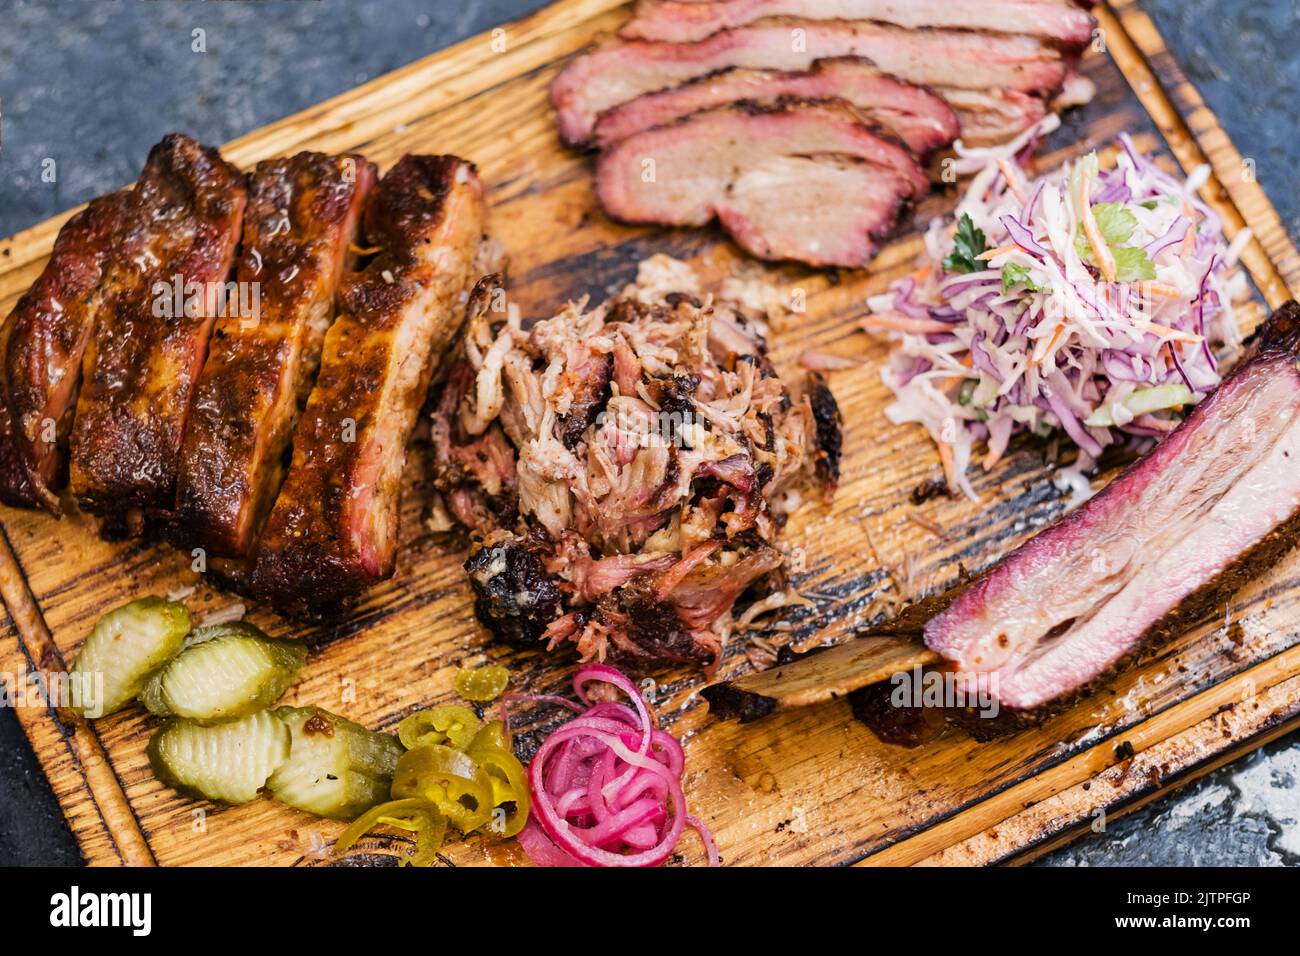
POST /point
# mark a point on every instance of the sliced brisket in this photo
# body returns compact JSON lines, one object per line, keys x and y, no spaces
{"x":684,"y":21}
{"x":333,"y":529}
{"x":41,"y":348}
{"x":804,"y":181}
{"x":922,"y":120}
{"x":621,"y":71}
{"x":302,"y":215}
{"x":142,"y":361}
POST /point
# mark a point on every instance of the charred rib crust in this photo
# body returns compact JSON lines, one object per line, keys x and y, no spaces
{"x":332,"y":531}
{"x":16,"y":486}
{"x":1280,"y":335}
{"x":302,"y":215}
{"x":140,"y":368}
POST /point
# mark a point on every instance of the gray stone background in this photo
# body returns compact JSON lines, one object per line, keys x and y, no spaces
{"x":93,"y":83}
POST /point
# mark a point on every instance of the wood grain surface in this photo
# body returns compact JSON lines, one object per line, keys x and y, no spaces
{"x":807,"y":787}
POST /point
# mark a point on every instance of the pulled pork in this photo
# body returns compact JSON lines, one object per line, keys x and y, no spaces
{"x":621,"y":468}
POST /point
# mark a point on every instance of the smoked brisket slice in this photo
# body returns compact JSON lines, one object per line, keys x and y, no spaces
{"x":303,"y":214}
{"x":685,"y":21}
{"x":802,"y":181}
{"x":1167,"y":541}
{"x":921,"y":120}
{"x":41,"y":348}
{"x":333,"y":529}
{"x":143,"y":360}
{"x":621,"y":71}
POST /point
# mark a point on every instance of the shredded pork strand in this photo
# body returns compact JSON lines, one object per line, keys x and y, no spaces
{"x":622,"y":467}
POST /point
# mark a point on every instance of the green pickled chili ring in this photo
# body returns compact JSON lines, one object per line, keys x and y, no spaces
{"x":482,"y":683}
{"x":509,"y":785}
{"x":491,"y":734}
{"x":451,"y":779}
{"x":452,"y":724}
{"x":422,"y":817}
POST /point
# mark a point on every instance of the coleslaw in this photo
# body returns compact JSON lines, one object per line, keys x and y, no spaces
{"x":1097,"y":302}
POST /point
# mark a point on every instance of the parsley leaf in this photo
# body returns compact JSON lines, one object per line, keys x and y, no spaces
{"x":1014,"y":274}
{"x":1133,"y":264}
{"x":1115,"y":222}
{"x":968,"y":243}
{"x":1117,"y":225}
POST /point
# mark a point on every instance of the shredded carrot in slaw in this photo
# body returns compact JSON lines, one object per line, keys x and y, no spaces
{"x":1176,"y":335}
{"x":1159,"y":288}
{"x":1012,"y":180}
{"x":1105,"y":261}
{"x":999,"y":251}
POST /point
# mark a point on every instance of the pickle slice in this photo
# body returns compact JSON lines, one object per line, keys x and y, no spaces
{"x":126,"y":645}
{"x":227,"y":763}
{"x":224,"y":672}
{"x":335,"y":768}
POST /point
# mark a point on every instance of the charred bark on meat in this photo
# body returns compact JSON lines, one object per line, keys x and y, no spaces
{"x":514,"y":596}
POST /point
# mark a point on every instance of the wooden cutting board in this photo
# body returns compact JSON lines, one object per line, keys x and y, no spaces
{"x":808,"y":787}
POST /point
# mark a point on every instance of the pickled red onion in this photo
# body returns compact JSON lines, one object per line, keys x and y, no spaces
{"x":606,"y":786}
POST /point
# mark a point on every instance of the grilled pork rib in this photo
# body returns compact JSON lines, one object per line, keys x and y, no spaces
{"x":684,"y":21}
{"x":41,"y":348}
{"x":922,"y":120}
{"x":333,"y":529}
{"x":621,"y":71}
{"x":144,"y":357}
{"x":303,"y":213}
{"x":1168,"y":539}
{"x":743,"y":164}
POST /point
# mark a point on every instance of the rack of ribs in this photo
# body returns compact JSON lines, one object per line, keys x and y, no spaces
{"x":142,"y":361}
{"x":333,"y":529}
{"x":302,"y":217}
